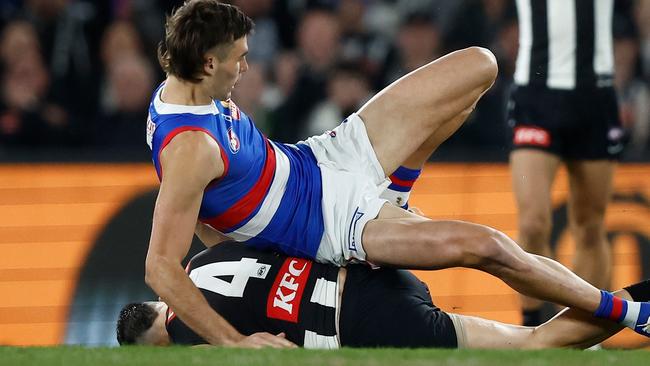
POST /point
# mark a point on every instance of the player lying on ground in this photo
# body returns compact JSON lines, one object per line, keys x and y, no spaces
{"x":328,"y":198}
{"x":324,"y":306}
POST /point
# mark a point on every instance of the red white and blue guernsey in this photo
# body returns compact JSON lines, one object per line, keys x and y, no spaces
{"x":269,"y":195}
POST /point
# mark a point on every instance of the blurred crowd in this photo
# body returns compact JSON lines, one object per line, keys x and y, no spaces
{"x":80,"y":72}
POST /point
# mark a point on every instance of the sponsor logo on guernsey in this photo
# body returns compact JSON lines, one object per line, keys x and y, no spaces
{"x":284,"y":298}
{"x":532,"y":136}
{"x":234,"y":110}
{"x":151,"y":128}
{"x":233,"y":141}
{"x":170,"y":316}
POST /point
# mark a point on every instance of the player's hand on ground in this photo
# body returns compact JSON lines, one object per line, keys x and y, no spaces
{"x":263,"y":339}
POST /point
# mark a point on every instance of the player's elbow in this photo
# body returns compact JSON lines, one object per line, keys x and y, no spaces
{"x":153,"y":271}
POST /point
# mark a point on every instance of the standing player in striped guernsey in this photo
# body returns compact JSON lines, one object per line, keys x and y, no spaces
{"x":320,"y":198}
{"x":323,"y":306}
{"x":564,"y":110}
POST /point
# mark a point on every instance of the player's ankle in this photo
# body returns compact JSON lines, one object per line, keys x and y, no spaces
{"x":399,"y":190}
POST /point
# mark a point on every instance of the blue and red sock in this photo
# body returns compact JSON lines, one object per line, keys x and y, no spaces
{"x":402,"y":181}
{"x":634,"y":315}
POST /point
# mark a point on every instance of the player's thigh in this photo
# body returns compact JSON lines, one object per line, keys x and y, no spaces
{"x":533,"y":172}
{"x":482,"y":333}
{"x":590,"y":184}
{"x":401,"y":239}
{"x":400,"y":118}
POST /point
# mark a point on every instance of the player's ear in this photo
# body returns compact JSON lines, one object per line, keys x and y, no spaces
{"x":211,"y":64}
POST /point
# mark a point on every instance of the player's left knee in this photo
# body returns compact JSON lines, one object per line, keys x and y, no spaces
{"x":494,"y":250}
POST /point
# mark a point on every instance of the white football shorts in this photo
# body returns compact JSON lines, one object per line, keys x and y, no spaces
{"x":353,"y":179}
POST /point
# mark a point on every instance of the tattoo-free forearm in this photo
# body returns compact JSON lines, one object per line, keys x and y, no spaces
{"x":173,"y":285}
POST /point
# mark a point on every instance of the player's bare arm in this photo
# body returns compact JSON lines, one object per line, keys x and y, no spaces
{"x":189,"y":163}
{"x":209,"y":236}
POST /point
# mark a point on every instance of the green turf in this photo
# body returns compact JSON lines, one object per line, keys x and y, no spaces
{"x":73,"y":356}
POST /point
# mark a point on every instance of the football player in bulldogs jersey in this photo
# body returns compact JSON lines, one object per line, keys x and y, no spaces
{"x":324,"y":306}
{"x":334,"y":198}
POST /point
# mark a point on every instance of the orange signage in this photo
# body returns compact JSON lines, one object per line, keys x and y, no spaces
{"x":51,"y":215}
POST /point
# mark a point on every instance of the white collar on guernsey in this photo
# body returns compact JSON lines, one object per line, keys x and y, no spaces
{"x":167,"y":108}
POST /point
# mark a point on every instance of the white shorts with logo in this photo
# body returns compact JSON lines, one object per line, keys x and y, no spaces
{"x":353,"y":179}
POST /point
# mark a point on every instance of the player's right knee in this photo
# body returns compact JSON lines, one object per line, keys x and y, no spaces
{"x":485,"y":63}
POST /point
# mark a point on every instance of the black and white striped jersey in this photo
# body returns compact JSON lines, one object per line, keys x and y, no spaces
{"x":565,"y":44}
{"x":263,"y":291}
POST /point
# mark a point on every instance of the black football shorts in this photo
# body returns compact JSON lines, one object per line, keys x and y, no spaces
{"x":391,"y":308}
{"x":572,"y":124}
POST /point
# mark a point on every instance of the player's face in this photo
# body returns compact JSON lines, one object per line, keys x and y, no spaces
{"x":228,"y":70}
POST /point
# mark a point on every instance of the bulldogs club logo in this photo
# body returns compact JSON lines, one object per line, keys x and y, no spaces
{"x":233,"y":141}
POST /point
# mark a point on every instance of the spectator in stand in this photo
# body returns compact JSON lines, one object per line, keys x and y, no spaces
{"x":366,"y":49}
{"x":418,"y":42}
{"x":120,"y":38}
{"x":264,"y":43}
{"x":126,"y":90}
{"x":347,"y":90}
{"x":319,"y":42}
{"x":122,"y":123}
{"x":27,"y":116}
{"x":69,"y":32}
{"x":252,"y":94}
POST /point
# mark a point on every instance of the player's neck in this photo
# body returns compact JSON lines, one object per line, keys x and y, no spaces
{"x":177,"y":91}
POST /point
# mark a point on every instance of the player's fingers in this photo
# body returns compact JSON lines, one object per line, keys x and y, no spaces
{"x":281,"y":334}
{"x":278,"y":341}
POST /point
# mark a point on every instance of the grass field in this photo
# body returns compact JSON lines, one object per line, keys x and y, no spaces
{"x":73,"y":356}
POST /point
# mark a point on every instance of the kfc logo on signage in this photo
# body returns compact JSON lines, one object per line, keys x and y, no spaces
{"x":533,"y":136}
{"x":284,"y":298}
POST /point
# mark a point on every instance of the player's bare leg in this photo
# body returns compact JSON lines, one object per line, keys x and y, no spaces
{"x":590,"y":186}
{"x":399,"y":238}
{"x":416,"y":111}
{"x":569,"y":328}
{"x":411,"y":117}
{"x":533,"y":172}
{"x":407,"y":115}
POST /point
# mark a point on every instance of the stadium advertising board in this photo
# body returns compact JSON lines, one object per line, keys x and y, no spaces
{"x":74,"y":239}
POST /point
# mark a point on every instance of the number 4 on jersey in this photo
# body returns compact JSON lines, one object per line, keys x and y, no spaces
{"x":205,"y":277}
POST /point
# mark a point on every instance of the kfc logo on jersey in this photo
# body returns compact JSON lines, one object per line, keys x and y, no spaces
{"x":532,"y":136}
{"x":284,"y":298}
{"x":233,"y":141}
